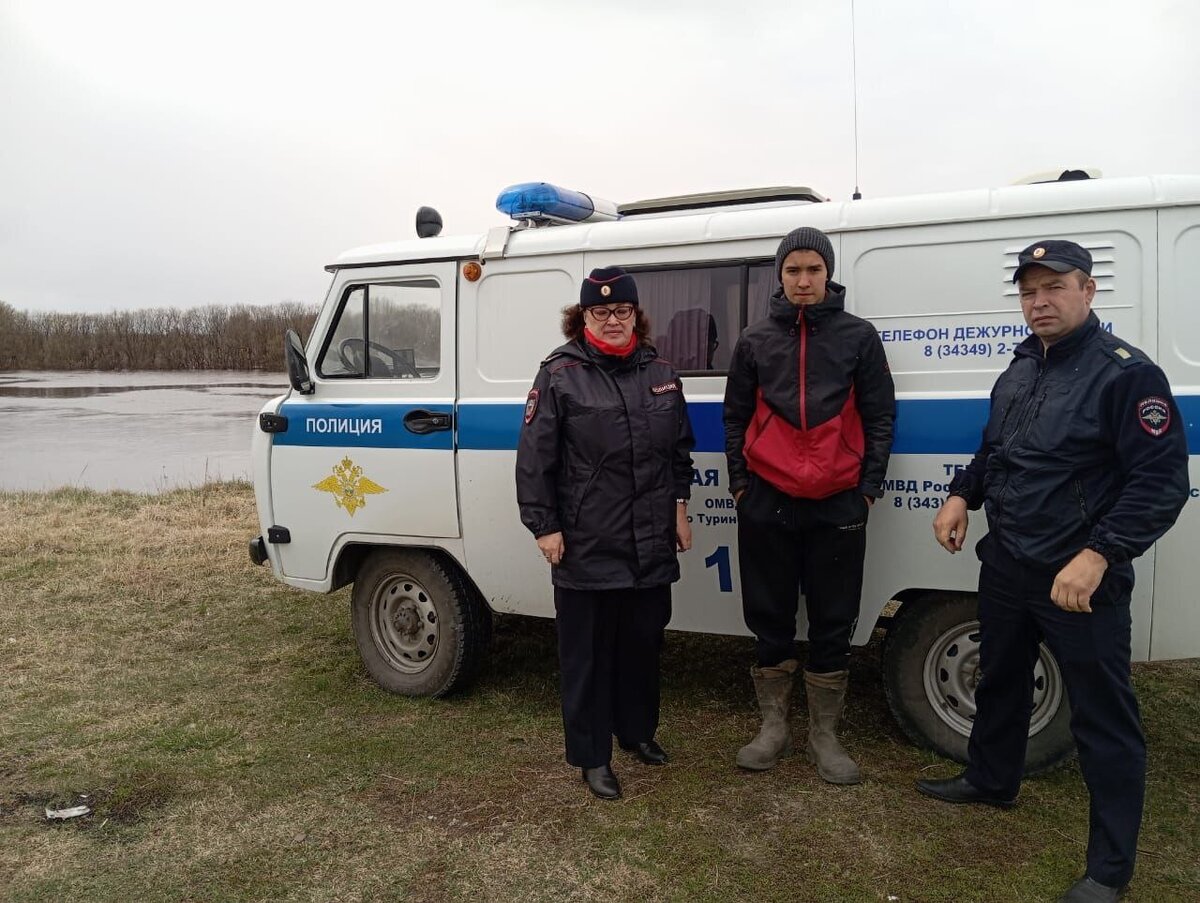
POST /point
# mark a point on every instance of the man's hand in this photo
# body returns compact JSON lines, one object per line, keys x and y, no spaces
{"x":552,"y":548}
{"x":737,"y":496}
{"x":1075,"y":583}
{"x":869,"y":500}
{"x":683,"y":530}
{"x":950,"y":525}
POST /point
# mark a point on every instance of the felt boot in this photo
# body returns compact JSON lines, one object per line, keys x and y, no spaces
{"x":773,"y":686}
{"x":826,"y":696}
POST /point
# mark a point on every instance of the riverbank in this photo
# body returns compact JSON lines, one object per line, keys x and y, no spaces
{"x":233,"y":748}
{"x":138,"y":431}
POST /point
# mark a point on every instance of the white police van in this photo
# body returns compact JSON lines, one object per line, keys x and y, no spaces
{"x":389,"y":464}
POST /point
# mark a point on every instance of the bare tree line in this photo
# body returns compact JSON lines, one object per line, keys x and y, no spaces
{"x":214,"y":337}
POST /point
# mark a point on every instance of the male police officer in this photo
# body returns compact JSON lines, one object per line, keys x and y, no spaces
{"x":809,"y":406}
{"x":1083,"y":465}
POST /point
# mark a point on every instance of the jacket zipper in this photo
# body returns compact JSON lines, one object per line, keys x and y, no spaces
{"x":1037,"y":407}
{"x":1032,"y":403}
{"x":1012,"y":404}
{"x":803,"y":351}
{"x":1082,"y":502}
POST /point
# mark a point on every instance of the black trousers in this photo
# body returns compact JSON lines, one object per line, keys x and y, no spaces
{"x":786,"y":546}
{"x":1093,"y":651}
{"x":609,"y":642}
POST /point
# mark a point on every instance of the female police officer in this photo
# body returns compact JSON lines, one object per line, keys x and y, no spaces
{"x":603,"y":474}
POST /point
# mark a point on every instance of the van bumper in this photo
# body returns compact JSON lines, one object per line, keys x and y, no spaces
{"x":258,"y":550}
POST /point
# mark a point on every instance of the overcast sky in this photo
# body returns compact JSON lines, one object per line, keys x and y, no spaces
{"x":165,"y":153}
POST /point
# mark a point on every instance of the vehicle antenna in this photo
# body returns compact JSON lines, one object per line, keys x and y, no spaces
{"x":854,"y":82}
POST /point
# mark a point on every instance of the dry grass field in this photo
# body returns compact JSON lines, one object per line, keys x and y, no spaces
{"x":232,"y":748}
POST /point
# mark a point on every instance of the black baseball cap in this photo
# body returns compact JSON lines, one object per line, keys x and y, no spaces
{"x":1060,"y":256}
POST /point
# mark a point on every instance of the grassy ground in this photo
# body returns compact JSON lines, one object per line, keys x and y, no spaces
{"x":233,"y":749}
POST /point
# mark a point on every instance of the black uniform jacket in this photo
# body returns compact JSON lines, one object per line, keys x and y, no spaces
{"x":806,"y":361}
{"x":604,"y":453}
{"x":1084,"y":448}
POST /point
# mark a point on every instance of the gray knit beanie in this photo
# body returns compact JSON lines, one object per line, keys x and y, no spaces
{"x":806,"y":238}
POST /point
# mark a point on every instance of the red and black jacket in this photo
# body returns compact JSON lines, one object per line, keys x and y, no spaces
{"x":809,"y":403}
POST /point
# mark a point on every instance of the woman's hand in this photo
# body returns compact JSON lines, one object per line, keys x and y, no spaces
{"x":552,"y":548}
{"x":683,"y":530}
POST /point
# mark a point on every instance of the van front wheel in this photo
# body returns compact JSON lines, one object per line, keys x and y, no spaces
{"x":421,"y":630}
{"x":931,"y":668}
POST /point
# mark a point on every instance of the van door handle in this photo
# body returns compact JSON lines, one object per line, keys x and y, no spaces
{"x":421,"y":422}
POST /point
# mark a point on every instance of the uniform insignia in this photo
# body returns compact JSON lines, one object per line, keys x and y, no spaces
{"x":672,"y":386}
{"x":1154,"y":414}
{"x":1122,"y":354}
{"x":1039,"y":253}
{"x":531,"y":404}
{"x":348,"y":486}
{"x":606,"y":290}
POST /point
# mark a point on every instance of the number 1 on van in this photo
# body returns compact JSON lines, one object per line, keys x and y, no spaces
{"x":720,"y":558}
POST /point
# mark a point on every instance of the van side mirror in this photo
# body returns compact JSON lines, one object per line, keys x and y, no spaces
{"x":297,"y":365}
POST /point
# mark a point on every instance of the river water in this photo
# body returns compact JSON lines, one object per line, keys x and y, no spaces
{"x":141,"y":431}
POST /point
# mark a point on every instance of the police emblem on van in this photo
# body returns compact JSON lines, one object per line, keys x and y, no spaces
{"x":1154,"y":414}
{"x":348,"y":486}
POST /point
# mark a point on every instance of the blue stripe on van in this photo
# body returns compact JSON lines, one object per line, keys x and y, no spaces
{"x":360,"y":425}
{"x":924,"y":426}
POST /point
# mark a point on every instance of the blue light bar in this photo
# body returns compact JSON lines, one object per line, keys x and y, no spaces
{"x":541,"y":200}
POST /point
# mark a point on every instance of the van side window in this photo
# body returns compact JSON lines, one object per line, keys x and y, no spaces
{"x":762,"y":284}
{"x":697,"y":312}
{"x":386,"y":331}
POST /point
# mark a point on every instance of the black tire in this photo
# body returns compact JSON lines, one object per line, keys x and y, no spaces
{"x":931,"y":667}
{"x":421,"y":629}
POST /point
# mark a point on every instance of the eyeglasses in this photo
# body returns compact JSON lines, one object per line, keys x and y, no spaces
{"x":624,"y":312}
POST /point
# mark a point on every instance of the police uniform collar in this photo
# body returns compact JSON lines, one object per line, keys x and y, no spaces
{"x":583,"y":349}
{"x":1075,"y":340}
{"x":570,"y":349}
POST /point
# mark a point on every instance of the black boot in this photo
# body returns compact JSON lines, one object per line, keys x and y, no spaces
{"x":1085,"y":890}
{"x":648,"y":753}
{"x":602,"y":782}
{"x":960,"y":790}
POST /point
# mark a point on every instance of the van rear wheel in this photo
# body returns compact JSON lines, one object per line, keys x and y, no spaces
{"x":421,"y":629}
{"x":931,"y":669}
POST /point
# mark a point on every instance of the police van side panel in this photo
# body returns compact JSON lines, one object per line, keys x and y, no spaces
{"x":967,"y":307}
{"x":509,"y":322}
{"x":1175,"y":626}
{"x":943,"y":301}
{"x":941,"y":296}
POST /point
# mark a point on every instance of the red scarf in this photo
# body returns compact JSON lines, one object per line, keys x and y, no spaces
{"x":605,"y":348}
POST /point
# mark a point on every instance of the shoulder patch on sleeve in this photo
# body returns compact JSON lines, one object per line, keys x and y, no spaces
{"x":531,"y":404}
{"x":1154,"y":414}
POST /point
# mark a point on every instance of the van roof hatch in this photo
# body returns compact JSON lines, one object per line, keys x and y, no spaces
{"x":682,"y":203}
